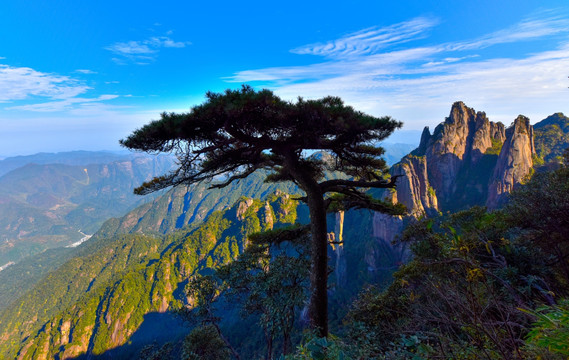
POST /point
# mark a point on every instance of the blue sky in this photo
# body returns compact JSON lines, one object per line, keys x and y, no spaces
{"x":83,"y":74}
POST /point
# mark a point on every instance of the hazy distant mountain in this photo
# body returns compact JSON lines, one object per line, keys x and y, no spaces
{"x":395,"y":151}
{"x":404,"y":137}
{"x":69,"y":158}
{"x":49,"y":205}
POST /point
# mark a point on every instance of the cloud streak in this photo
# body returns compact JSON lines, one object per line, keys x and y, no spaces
{"x":142,"y":52}
{"x":370,"y":40}
{"x":19,"y":83}
{"x":527,"y":29}
{"x":24,"y":84}
{"x":63,"y":105}
{"x":418,"y":84}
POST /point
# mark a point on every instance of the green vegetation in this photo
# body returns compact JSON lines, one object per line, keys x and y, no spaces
{"x":431,"y":191}
{"x":17,"y":279}
{"x":550,"y":331}
{"x":91,"y":273}
{"x":315,"y":348}
{"x":204,"y":343}
{"x":473,"y":279}
{"x":96,"y":301}
{"x":268,"y":279}
{"x":552,"y":137}
{"x":537,"y":161}
{"x":495,"y":148}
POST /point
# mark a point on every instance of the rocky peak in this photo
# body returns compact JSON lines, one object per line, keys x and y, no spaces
{"x":242,"y":207}
{"x":468,"y":160}
{"x":485,"y":134}
{"x":452,"y":167}
{"x":458,"y":143}
{"x":425,"y":137}
{"x":268,"y":216}
{"x":514,"y":162}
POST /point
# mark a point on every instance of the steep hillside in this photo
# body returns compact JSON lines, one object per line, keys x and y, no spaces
{"x":551,"y":137}
{"x":44,"y":206}
{"x":96,"y":302}
{"x":18,"y":278}
{"x":119,"y":290}
{"x":187,"y":205}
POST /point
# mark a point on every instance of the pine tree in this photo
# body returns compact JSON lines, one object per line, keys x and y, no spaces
{"x":238,"y":132}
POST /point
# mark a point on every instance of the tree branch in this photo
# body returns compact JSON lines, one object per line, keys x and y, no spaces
{"x":328,"y":185}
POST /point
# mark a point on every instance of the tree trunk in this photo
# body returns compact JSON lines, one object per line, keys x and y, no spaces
{"x":318,"y":306}
{"x":287,"y":343}
{"x":269,"y":338}
{"x":227,"y":343}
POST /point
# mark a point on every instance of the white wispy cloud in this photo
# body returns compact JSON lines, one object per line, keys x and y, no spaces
{"x":528,"y":29}
{"x":18,"y":83}
{"x":370,"y":40}
{"x":142,"y":52}
{"x":418,"y":84}
{"x":62,"y":105}
{"x":86,"y":71}
{"x":45,"y":92}
{"x":373,"y":65}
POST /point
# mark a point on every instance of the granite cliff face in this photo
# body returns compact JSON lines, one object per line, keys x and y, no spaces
{"x":416,"y":193}
{"x":456,"y":151}
{"x":337,"y":241}
{"x":413,"y":187}
{"x":515,"y":162}
{"x":468,"y":160}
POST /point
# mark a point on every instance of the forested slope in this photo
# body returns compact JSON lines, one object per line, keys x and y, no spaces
{"x":96,"y":302}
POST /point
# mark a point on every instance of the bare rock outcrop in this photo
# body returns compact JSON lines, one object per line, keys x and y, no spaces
{"x":242,"y":207}
{"x":267,"y":216}
{"x":515,"y":161}
{"x":468,"y":160}
{"x":338,"y":247}
{"x":457,"y":145}
{"x":413,"y":186}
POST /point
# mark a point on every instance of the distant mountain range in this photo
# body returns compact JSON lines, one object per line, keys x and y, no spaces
{"x":67,"y":158}
{"x":45,"y":205}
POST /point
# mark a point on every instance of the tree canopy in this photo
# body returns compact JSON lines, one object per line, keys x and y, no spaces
{"x":235,"y":133}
